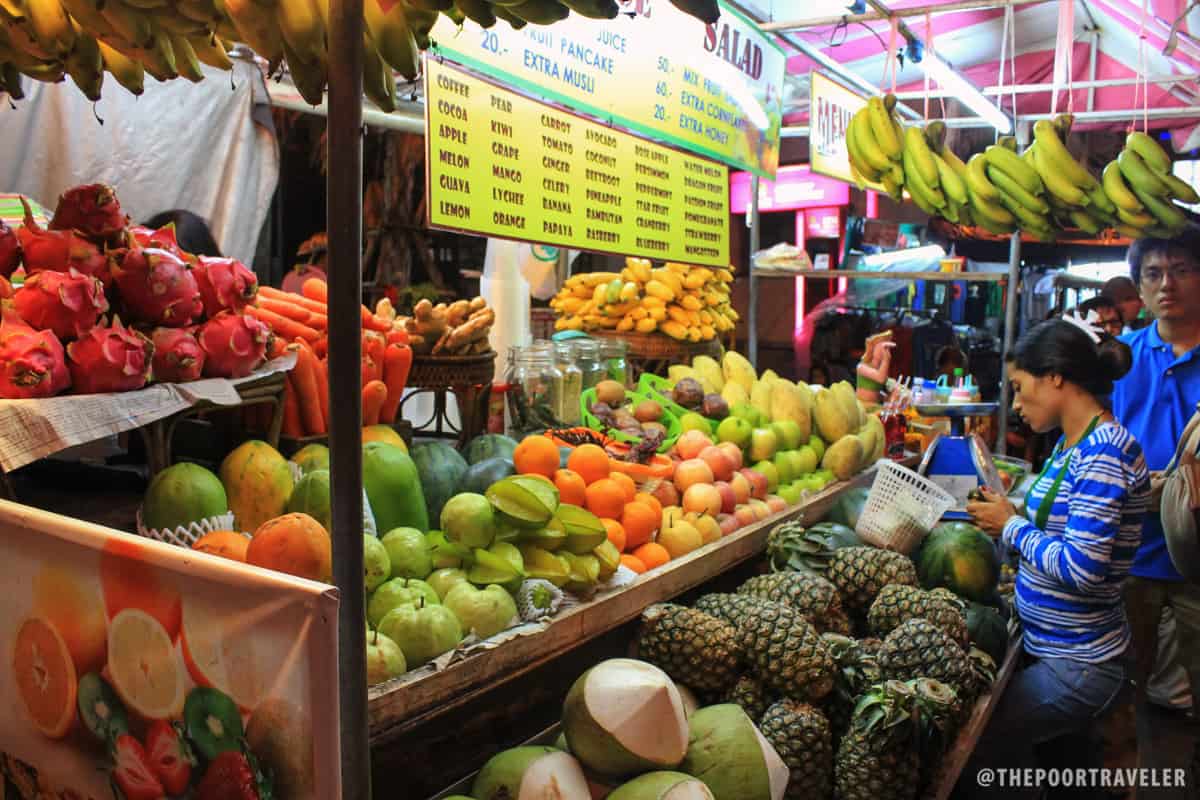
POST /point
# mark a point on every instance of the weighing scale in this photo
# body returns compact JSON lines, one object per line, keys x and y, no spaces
{"x":959,"y":462}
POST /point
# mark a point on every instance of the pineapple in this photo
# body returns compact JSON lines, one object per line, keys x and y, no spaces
{"x":938,"y":715}
{"x":786,"y":651}
{"x":750,"y":693}
{"x":697,"y":650}
{"x":878,"y":759}
{"x":859,"y":573}
{"x":857,"y":669}
{"x":800,"y":735}
{"x":897,"y":603}
{"x":942,"y":593}
{"x":813,"y":596}
{"x":983,"y":675}
{"x":793,"y":548}
{"x":919,"y":649}
{"x":729,"y":607}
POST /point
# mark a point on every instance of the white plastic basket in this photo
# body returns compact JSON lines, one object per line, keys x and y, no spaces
{"x":901,"y":508}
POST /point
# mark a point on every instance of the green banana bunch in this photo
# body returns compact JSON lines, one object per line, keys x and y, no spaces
{"x":1144,"y":190}
{"x":1056,"y":159}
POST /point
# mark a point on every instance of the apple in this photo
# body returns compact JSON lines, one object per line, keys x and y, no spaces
{"x":760,"y":508}
{"x":728,"y":523}
{"x":758,"y":482}
{"x":741,"y":488}
{"x":745,"y":515}
{"x":707,"y":525}
{"x":443,"y":580}
{"x":783,"y":465}
{"x":485,"y":612}
{"x":790,"y":493}
{"x":691,"y":421}
{"x":734,"y":430}
{"x":689,"y":444}
{"x":663,"y":491}
{"x":396,"y":593}
{"x":807,"y":460}
{"x":690,"y":472}
{"x":813,"y":482}
{"x":734,"y":453}
{"x":776,"y":503}
{"x":763,"y":444}
{"x":768,"y":471}
{"x":788,"y":431}
{"x":728,"y":497}
{"x":422,"y":633}
{"x":753,"y":415}
{"x":720,"y":464}
{"x":385,"y":659}
{"x":702,"y":498}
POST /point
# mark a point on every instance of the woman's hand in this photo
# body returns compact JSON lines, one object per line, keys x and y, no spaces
{"x":992,"y":513}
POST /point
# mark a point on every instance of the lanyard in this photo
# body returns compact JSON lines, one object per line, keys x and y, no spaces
{"x":1043,"y":511}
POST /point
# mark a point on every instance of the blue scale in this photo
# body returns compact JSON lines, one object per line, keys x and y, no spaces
{"x":959,"y":462}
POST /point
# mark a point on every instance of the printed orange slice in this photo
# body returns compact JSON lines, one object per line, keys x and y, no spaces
{"x":45,"y":677}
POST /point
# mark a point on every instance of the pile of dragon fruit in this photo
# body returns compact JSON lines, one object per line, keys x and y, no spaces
{"x":62,"y":328}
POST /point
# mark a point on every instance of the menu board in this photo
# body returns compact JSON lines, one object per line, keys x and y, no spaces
{"x":831,"y":106}
{"x":710,"y":89}
{"x":504,"y":165}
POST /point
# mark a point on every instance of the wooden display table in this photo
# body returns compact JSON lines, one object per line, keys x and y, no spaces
{"x":654,"y":352}
{"x":469,"y":378}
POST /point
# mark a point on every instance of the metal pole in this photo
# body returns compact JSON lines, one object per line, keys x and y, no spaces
{"x":343,"y":214}
{"x":752,"y":314}
{"x":915,"y":11}
{"x":1091,"y":106}
{"x":1010,"y":332}
{"x":407,"y":118}
{"x":1035,"y":88}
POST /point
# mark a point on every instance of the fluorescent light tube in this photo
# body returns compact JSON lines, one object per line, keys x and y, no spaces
{"x":941,"y":73}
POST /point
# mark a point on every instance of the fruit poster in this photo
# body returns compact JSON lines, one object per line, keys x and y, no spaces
{"x":137,"y":670}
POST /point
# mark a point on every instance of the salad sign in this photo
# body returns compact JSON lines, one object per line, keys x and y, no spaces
{"x":711,"y":89}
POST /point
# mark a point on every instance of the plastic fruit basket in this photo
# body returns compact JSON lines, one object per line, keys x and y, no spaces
{"x":659,"y":390}
{"x":901,"y":508}
{"x":669,"y":420}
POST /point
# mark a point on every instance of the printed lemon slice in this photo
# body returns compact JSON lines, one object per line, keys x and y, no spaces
{"x":218,"y":651}
{"x":45,"y":677}
{"x":143,"y":665}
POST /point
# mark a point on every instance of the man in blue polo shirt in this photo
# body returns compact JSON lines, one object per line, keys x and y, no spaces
{"x":1154,"y":402}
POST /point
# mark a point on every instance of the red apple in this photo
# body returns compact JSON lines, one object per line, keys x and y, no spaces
{"x":741,"y":488}
{"x":690,"y":443}
{"x":760,"y":508}
{"x":702,"y":498}
{"x":718,"y":461}
{"x":776,"y":503}
{"x":745,"y":515}
{"x":663,"y":491}
{"x":728,"y":523}
{"x":691,"y":472}
{"x":728,"y":497}
{"x":733,"y":452}
{"x":758,"y":483}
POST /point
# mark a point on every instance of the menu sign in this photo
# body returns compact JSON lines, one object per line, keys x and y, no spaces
{"x":831,"y":106}
{"x":710,"y":89}
{"x":504,"y":165}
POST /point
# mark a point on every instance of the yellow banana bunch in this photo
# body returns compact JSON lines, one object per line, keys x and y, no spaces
{"x":875,"y":144}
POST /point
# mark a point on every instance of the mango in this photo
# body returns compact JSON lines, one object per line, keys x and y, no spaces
{"x":760,"y":395}
{"x":258,"y":483}
{"x":709,"y":373}
{"x":737,"y":369}
{"x":735,"y":394}
{"x":788,"y":403}
{"x":830,"y":416}
{"x":843,"y":457}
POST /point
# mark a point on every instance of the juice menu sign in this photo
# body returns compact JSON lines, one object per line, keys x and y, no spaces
{"x":504,"y":165}
{"x":711,"y":89}
{"x":831,"y":106}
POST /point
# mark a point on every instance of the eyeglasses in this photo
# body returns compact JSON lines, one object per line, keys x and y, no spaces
{"x":1181,"y":272}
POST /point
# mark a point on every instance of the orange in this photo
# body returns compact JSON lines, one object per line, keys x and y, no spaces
{"x":129,"y":582}
{"x":226,"y":544}
{"x":650,"y":500}
{"x":571,"y":487}
{"x":616,"y":533}
{"x":634,"y":563}
{"x":45,"y":677}
{"x":640,"y":522}
{"x":591,"y":462}
{"x":536,"y":455}
{"x":606,"y":498}
{"x":143,"y":665}
{"x":627,"y":484}
{"x":69,"y":600}
{"x":652,"y":555}
{"x":294,"y":543}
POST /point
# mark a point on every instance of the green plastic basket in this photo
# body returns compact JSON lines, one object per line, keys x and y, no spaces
{"x":659,"y":390}
{"x":668,"y":419}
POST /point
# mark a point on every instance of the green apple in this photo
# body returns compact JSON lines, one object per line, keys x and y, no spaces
{"x":735,"y":430}
{"x":818,"y":446}
{"x":443,"y":580}
{"x":790,"y":493}
{"x":422,"y":633}
{"x":763,"y":444}
{"x":783,"y":465}
{"x":486,"y":611}
{"x":768,"y":471}
{"x":813,"y":482}
{"x":409,"y":553}
{"x":396,"y":593}
{"x":807,"y":460}
{"x":691,"y":421}
{"x":788,"y":431}
{"x":385,"y":659}
{"x":377,"y":566}
{"x":754,"y":416}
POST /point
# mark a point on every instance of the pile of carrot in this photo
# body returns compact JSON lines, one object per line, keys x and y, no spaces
{"x":301,"y":324}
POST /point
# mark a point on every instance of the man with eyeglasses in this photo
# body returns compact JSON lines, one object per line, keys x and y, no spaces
{"x":1154,"y":402}
{"x":1106,"y":314}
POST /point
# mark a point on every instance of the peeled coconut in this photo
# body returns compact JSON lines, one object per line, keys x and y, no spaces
{"x":728,"y":753}
{"x":531,"y":773}
{"x":624,"y":717}
{"x":663,"y":786}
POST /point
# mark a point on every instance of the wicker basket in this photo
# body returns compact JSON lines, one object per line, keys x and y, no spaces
{"x":661,"y":346}
{"x":442,"y":372}
{"x":901,"y":508}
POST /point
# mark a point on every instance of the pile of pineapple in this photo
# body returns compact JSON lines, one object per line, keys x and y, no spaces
{"x":866,"y":717}
{"x":685,"y":302}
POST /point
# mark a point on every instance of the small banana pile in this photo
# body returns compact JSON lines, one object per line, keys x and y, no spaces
{"x":684,"y":302}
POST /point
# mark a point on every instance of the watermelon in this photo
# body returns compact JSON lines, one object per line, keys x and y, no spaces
{"x":489,"y":445}
{"x":480,"y":476}
{"x":836,"y":535}
{"x":988,"y":631}
{"x":440,"y":468}
{"x":849,"y":507}
{"x":960,"y":557}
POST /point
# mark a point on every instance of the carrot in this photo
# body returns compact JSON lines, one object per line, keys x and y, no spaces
{"x":282,"y":325}
{"x":321,"y":347}
{"x":278,"y":344}
{"x":397,"y":361}
{"x":372,"y":370}
{"x":283,"y":308}
{"x":292,"y":426}
{"x":373,"y":345}
{"x":315,"y":289}
{"x":294,"y":299}
{"x":323,"y":388}
{"x":374,"y":323}
{"x":374,"y":395}
{"x":397,"y":336}
{"x":318,"y":321}
{"x":308,"y":391}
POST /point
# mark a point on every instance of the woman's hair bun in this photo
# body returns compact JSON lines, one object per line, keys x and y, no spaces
{"x":1116,"y":358}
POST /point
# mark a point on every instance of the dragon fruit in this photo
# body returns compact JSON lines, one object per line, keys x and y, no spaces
{"x":67,"y":303}
{"x":113,"y":359}
{"x":59,"y":251}
{"x":163,"y":238}
{"x":10,"y":250}
{"x":177,"y":355}
{"x":226,"y":284}
{"x":234,"y":344}
{"x":157,"y":288}
{"x":92,"y":209}
{"x":32,"y":363}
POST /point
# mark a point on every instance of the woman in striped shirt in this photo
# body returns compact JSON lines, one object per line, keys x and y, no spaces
{"x":1076,"y":543}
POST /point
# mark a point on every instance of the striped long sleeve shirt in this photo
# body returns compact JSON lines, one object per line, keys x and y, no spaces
{"x":1069,"y":582}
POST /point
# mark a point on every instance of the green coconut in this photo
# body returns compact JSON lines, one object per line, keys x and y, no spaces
{"x":727,"y":752}
{"x":531,"y":773}
{"x":690,"y":703}
{"x":663,"y":786}
{"x":624,"y":717}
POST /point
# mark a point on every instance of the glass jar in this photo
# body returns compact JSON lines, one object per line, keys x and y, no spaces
{"x":587,"y":358}
{"x":537,"y":389}
{"x":572,"y":384}
{"x":513,"y":400}
{"x":613,"y":354}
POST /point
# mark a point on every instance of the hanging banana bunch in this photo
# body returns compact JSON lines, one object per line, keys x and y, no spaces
{"x":874,"y":142}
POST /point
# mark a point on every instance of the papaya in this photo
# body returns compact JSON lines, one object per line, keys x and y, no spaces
{"x":258,"y":483}
{"x":393,"y":488}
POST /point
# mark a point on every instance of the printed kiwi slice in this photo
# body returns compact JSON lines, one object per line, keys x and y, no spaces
{"x":102,"y":712}
{"x":214,"y":724}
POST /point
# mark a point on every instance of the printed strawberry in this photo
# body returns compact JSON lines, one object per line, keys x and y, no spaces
{"x":233,"y":776}
{"x":169,"y":756}
{"x":133,"y":773}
